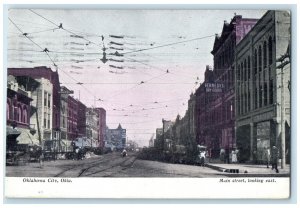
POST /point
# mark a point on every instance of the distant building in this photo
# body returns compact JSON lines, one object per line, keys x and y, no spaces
{"x":92,"y":127}
{"x":101,"y":126}
{"x":64,"y":94}
{"x":116,"y":138}
{"x":81,"y":122}
{"x":72,"y":125}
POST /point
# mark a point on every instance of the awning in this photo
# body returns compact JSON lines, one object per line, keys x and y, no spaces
{"x":27,"y":138}
{"x":12,"y":131}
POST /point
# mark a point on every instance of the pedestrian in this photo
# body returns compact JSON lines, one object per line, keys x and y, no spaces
{"x":41,"y":159}
{"x":274,"y":158}
{"x":202,"y":158}
{"x":267,"y":155}
{"x":233,"y":156}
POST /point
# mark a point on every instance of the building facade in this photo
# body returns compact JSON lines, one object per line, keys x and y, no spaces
{"x":72,"y":127}
{"x":217,"y":93}
{"x":262,"y":94}
{"x":92,"y":127}
{"x":101,"y":126}
{"x":18,"y":113}
{"x":64,"y":94}
{"x":44,"y":73}
{"x":116,"y":138}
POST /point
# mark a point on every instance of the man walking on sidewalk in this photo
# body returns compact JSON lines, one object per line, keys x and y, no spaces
{"x":274,"y":158}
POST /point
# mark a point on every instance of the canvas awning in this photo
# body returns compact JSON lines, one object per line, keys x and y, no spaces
{"x":12,"y":131}
{"x":27,"y":138}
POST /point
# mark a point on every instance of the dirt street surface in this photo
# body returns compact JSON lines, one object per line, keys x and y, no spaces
{"x":109,"y":165}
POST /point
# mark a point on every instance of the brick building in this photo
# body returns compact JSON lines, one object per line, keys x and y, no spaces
{"x":215,"y":102}
{"x":45,"y":73}
{"x":262,"y":94}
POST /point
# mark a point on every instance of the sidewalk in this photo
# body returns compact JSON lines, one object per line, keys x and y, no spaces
{"x":249,"y":170}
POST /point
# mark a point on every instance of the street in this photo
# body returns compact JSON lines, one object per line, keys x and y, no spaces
{"x":109,"y":165}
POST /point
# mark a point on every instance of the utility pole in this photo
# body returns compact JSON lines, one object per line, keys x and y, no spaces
{"x":282,"y":107}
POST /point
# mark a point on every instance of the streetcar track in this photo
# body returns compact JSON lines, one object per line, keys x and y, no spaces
{"x":89,"y":165}
{"x":113,"y":166}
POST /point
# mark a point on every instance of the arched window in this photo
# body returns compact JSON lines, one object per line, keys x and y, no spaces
{"x":259,"y":59}
{"x":270,"y":50}
{"x":25,"y":119}
{"x":265,"y":54}
{"x":7,"y":111}
{"x":19,"y":113}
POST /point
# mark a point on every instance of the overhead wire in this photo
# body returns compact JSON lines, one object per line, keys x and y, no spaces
{"x":46,"y":51}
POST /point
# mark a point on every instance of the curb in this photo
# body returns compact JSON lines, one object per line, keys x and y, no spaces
{"x":233,"y":172}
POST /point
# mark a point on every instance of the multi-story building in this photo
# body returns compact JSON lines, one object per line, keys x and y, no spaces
{"x":43,"y":73}
{"x":72,"y":128}
{"x":116,"y":138}
{"x":64,"y":94}
{"x":18,"y":112}
{"x":81,"y":121}
{"x":92,"y":127}
{"x":262,"y":94}
{"x":101,"y":126}
{"x":215,"y":113}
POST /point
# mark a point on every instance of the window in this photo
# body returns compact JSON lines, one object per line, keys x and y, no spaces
{"x":242,"y":104}
{"x":249,"y":108}
{"x":7,"y":111}
{"x":265,"y":54}
{"x":45,"y":98}
{"x":242,"y":71}
{"x":248,"y":67}
{"x":255,"y":62}
{"x":265,"y":94}
{"x":48,"y":121}
{"x":255,"y":98}
{"x":260,"y":95}
{"x":245,"y":70}
{"x":49,"y":99}
{"x":271,"y":92}
{"x":270,"y":50}
{"x":19,"y":114}
{"x":259,"y":59}
{"x":25,"y":116}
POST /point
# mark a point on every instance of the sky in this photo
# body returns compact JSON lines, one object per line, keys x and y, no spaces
{"x":164,"y":55}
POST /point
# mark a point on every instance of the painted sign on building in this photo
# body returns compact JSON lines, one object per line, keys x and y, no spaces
{"x":214,"y":87}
